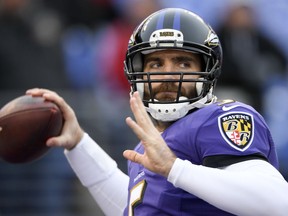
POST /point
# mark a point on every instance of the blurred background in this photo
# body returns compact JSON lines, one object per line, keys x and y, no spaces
{"x":77,"y":48}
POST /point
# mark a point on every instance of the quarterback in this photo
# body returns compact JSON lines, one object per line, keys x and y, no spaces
{"x":196,"y":155}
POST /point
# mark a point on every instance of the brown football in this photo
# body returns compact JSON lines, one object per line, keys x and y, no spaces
{"x":25,"y":125}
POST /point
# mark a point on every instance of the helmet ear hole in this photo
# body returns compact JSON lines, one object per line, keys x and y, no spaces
{"x":137,"y":63}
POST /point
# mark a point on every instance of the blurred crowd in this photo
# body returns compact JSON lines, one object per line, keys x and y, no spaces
{"x":77,"y":48}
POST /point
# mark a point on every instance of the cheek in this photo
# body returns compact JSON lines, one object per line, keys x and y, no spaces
{"x":146,"y":95}
{"x":190,"y":89}
{"x":153,"y":85}
{"x":188,"y":86}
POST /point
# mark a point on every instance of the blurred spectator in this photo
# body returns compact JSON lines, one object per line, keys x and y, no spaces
{"x":88,"y":13}
{"x":78,"y":46}
{"x":276,"y":115}
{"x":113,"y":41}
{"x":30,"y":56}
{"x":250,"y":57}
{"x":29,"y":47}
{"x":79,"y":40}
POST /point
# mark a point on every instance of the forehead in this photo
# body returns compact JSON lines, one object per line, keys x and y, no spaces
{"x":171,"y":54}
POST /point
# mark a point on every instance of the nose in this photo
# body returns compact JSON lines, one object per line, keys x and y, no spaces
{"x":168,"y":70}
{"x":168,"y":67}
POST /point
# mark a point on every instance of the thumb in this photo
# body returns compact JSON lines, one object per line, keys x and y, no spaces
{"x":60,"y":141}
{"x":54,"y":142}
{"x":133,"y":156}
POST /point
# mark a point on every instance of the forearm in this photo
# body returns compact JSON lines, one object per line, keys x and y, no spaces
{"x":99,"y":173}
{"x":241,"y":189}
{"x":111,"y":194}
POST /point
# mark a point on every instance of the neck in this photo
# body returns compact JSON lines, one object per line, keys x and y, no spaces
{"x":161,"y":126}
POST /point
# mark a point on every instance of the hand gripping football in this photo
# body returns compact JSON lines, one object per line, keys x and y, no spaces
{"x":25,"y":125}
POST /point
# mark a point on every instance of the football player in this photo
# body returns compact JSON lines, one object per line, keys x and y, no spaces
{"x":197,"y":155}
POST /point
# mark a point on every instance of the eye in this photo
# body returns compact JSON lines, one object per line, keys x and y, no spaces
{"x":185,"y":65}
{"x":154,"y":65}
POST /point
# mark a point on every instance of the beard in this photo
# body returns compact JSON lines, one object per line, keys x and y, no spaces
{"x":167,"y":92}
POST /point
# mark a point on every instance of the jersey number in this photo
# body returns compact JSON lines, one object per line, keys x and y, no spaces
{"x":136,"y":196}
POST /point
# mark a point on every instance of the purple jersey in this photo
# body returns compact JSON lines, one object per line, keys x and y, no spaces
{"x":217,"y":135}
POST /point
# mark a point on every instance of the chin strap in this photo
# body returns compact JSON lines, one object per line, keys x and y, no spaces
{"x":168,"y":112}
{"x":173,"y":112}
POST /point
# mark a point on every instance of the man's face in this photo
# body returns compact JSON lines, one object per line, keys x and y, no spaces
{"x":171,"y":61}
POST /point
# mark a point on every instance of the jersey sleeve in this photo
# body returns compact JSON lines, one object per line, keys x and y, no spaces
{"x":235,"y":134}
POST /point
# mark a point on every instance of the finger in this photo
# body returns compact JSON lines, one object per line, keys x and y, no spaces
{"x":45,"y":93}
{"x":56,"y":142}
{"x":139,"y":111}
{"x":52,"y":96}
{"x":136,"y":128}
{"x":60,"y":141}
{"x":133,"y":156}
{"x":32,"y":91}
{"x":139,"y":102}
{"x":37,"y":91}
{"x":53,"y":142}
{"x":140,"y":119}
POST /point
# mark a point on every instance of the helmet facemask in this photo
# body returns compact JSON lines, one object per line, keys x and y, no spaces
{"x":171,"y":109}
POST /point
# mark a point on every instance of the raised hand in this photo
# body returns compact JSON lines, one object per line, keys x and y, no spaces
{"x":157,"y":156}
{"x":71,"y":133}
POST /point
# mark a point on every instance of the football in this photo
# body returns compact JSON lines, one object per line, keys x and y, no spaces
{"x":25,"y":125}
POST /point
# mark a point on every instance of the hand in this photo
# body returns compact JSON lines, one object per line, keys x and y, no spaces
{"x":71,"y":133}
{"x":157,"y":156}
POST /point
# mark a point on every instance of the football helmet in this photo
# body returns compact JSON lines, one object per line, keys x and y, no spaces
{"x":178,"y":29}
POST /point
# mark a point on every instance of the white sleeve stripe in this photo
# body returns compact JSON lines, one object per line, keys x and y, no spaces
{"x":90,"y":162}
{"x":112,"y":194}
{"x":241,"y":189}
{"x":99,"y":173}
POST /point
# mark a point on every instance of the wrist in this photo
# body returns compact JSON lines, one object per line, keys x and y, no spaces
{"x":77,"y":139}
{"x":169,"y":167}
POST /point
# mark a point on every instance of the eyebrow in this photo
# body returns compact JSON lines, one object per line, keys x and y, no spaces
{"x":174,"y":59}
{"x":184,"y":58}
{"x":151,"y":58}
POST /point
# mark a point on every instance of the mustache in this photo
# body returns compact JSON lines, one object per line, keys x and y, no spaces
{"x":163,"y":87}
{"x":168,"y":87}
